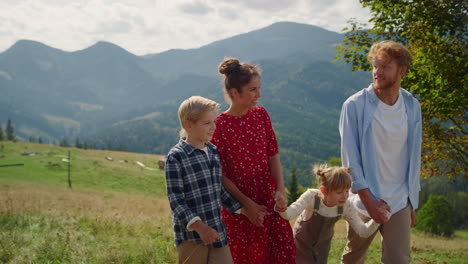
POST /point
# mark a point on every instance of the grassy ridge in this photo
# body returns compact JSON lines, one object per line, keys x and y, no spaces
{"x":89,"y":168}
{"x":117,"y":212}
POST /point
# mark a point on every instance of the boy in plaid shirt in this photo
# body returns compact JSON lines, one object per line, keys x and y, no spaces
{"x":195,"y":189}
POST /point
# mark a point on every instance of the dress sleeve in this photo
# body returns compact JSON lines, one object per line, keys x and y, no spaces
{"x":364,"y":230}
{"x":272,"y":144}
{"x":307,"y":200}
{"x":217,"y":140}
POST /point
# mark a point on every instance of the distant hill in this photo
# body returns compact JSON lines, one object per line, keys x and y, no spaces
{"x":287,"y":41}
{"x":108,"y":97}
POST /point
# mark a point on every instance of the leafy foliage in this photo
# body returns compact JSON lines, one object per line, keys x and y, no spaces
{"x":454,"y":190}
{"x":334,"y":162}
{"x":436,"y":217}
{"x":435,"y":33}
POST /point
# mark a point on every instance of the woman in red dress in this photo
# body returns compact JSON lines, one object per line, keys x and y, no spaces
{"x":251,"y":171}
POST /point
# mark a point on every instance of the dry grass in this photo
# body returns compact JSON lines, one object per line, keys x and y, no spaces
{"x":125,"y":208}
{"x":54,"y":225}
{"x":418,"y":241}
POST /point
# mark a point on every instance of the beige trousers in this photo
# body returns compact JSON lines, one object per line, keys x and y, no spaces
{"x":395,"y":240}
{"x":193,"y":253}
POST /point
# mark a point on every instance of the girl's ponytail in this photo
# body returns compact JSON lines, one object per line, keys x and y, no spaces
{"x":332,"y":178}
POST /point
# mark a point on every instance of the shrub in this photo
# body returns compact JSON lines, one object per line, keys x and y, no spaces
{"x":436,"y":217}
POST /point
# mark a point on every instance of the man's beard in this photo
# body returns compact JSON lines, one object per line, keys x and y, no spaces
{"x":389,"y":83}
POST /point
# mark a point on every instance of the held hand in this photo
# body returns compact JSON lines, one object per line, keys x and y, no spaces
{"x":255,"y":213}
{"x":281,"y":201}
{"x":207,"y":234}
{"x":378,"y":210}
{"x":280,"y":209}
{"x":413,"y":218}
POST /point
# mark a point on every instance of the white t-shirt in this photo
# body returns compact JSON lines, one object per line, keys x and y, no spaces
{"x":390,"y":132}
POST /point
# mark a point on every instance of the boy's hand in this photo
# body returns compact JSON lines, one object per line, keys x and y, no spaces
{"x":255,"y":213}
{"x":207,"y":234}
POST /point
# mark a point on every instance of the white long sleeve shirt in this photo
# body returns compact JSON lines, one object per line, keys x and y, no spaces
{"x":305,"y":206}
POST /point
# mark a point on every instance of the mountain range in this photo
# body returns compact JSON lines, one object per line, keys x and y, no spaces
{"x":108,"y":97}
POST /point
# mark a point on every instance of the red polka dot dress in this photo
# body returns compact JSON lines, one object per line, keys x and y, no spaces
{"x":245,"y":144}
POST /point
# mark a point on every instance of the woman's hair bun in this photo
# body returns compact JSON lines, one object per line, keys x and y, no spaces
{"x":229,"y":65}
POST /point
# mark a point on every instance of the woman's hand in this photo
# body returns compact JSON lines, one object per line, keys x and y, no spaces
{"x":255,"y":212}
{"x":281,"y":201}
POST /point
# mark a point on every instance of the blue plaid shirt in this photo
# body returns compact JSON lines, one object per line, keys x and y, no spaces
{"x":194,"y":188}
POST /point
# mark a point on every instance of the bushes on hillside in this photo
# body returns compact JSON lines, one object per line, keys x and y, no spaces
{"x":436,"y":217}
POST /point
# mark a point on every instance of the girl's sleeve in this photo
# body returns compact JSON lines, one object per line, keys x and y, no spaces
{"x":216,"y":139}
{"x":362,"y":229}
{"x":295,"y":209}
{"x":272,"y":144}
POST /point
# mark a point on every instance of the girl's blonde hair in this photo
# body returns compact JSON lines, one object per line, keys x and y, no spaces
{"x":332,"y":178}
{"x":191,"y":109}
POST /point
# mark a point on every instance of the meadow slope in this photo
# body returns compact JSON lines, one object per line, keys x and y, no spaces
{"x":116,"y":211}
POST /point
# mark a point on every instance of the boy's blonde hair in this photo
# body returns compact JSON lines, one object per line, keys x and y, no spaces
{"x":192,"y":108}
{"x":390,"y":50}
{"x":332,"y":178}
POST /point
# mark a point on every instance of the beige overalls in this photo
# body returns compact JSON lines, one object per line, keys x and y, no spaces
{"x":313,"y":236}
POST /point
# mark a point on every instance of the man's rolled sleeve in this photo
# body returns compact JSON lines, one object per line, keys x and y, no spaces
{"x":350,"y":151}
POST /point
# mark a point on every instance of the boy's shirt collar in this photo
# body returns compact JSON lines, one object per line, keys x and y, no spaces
{"x":189,"y":148}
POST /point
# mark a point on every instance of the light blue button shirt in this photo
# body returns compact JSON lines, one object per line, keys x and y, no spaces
{"x":357,"y":145}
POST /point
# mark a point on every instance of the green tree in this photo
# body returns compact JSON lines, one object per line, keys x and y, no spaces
{"x":436,"y":217}
{"x":334,"y":162}
{"x":10,"y":131}
{"x":435,"y":33}
{"x":1,"y":133}
{"x":64,"y":143}
{"x":78,"y":144}
{"x":460,"y":207}
{"x":293,"y":187}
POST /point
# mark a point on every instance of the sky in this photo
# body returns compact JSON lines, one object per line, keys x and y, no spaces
{"x":153,"y":26}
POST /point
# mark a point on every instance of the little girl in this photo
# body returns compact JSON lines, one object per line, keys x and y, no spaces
{"x":319,"y":210}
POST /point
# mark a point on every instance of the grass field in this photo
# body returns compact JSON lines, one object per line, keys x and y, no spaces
{"x":117,"y":211}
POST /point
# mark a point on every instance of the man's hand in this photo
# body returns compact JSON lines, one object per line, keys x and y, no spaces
{"x":255,"y":212}
{"x":413,"y":218}
{"x":377,"y":209}
{"x":207,"y":234}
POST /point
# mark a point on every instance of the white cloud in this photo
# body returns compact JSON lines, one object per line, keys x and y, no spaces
{"x":148,"y":26}
{"x":263,"y":5}
{"x":195,"y":8}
